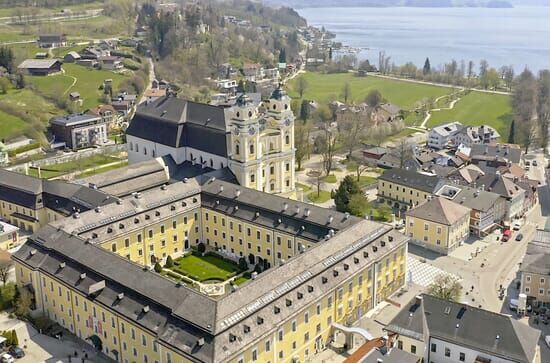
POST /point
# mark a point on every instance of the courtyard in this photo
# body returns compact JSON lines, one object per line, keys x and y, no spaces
{"x":206,"y":268}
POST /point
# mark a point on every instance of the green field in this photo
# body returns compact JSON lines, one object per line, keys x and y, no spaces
{"x":8,"y":12}
{"x":324,"y":87}
{"x":478,"y":108}
{"x":322,"y":197}
{"x":56,"y":170}
{"x":10,"y":125}
{"x":87,"y":83}
{"x":204,"y":268}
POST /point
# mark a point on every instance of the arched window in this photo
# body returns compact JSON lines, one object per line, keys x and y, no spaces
{"x":202,"y":162}
{"x":221,"y":165}
{"x":271,"y":146}
{"x":252,"y":148}
{"x":287,"y":139}
{"x":211,"y":163}
{"x":274,"y":107}
{"x":153,"y":153}
{"x":272,"y":186}
{"x":237,"y":149}
{"x":286,"y":106}
{"x":137,"y":148}
{"x":144,"y":150}
{"x":131,"y":147}
{"x":249,"y":113}
{"x":191,"y":157}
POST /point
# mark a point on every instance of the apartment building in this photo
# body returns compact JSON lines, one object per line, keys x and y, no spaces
{"x":535,"y":270}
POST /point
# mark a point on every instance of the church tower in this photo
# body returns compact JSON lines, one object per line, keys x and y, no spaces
{"x":262,"y":143}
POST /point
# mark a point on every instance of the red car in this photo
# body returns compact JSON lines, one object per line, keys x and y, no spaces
{"x":506,"y":235}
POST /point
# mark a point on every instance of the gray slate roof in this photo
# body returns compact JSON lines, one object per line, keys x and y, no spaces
{"x":412,"y":179}
{"x":508,"y":151}
{"x":38,"y":63}
{"x":477,"y":328}
{"x":176,"y":122}
{"x":537,"y":257}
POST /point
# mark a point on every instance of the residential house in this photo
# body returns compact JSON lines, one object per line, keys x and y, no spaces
{"x":94,"y":52}
{"x":272,"y":73}
{"x":379,"y":350}
{"x":441,"y":136}
{"x":253,"y":72}
{"x":509,"y":152}
{"x":74,"y":96}
{"x":79,"y":130}
{"x":487,"y":209}
{"x":470,"y":135}
{"x":373,"y":154}
{"x":108,"y":114}
{"x":387,"y":112}
{"x":9,"y":236}
{"x":535,"y":270}
{"x":71,"y":57}
{"x":41,"y":55}
{"x":111,"y":63}
{"x":52,"y":40}
{"x":153,"y":94}
{"x":467,"y":175}
{"x":40,"y":67}
{"x":531,"y":193}
{"x":403,"y":188}
{"x":506,"y":188}
{"x":443,"y":331}
{"x":88,"y":63}
{"x":122,"y":106}
{"x":393,"y":160}
{"x":227,"y":86}
{"x":438,"y":224}
{"x":227,"y":71}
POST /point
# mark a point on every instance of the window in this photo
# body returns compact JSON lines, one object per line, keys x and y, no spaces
{"x":281,"y":334}
{"x":294,"y":325}
{"x":237,"y":149}
{"x":306,"y":317}
{"x":127,"y":242}
{"x":413,"y":349}
{"x":255,"y":355}
{"x":400,"y":344}
{"x":267,"y":345}
{"x":433,"y":348}
{"x":252,"y":148}
{"x":462,"y":357}
{"x":318,"y":309}
{"x":447,"y":352}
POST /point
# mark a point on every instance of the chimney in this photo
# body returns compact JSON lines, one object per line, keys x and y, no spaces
{"x":418,"y":300}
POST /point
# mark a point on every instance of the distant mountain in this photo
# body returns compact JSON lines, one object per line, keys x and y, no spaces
{"x":408,"y":3}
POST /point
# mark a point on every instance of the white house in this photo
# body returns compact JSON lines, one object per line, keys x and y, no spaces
{"x":443,"y":331}
{"x":440,"y":136}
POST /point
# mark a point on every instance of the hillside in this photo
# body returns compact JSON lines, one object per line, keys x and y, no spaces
{"x":392,"y":3}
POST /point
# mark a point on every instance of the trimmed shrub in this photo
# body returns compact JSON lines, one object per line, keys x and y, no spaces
{"x":14,"y":338}
{"x":201,"y":247}
{"x":158,"y":268}
{"x":258,"y":268}
{"x":242,"y":264}
{"x":169,"y":262}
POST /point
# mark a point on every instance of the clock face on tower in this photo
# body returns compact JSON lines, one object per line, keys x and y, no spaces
{"x":236,"y":131}
{"x":287,"y":122}
{"x":251,"y":131}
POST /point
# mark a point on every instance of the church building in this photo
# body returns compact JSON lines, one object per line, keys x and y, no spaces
{"x":255,"y":140}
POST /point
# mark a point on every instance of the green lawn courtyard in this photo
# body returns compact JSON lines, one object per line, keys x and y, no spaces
{"x":324,"y":87}
{"x":205,"y":268}
{"x":96,"y":161}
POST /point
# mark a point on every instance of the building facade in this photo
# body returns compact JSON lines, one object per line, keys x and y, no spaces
{"x":438,"y":224}
{"x":535,"y":270}
{"x":327,"y":268}
{"x":9,"y":236}
{"x":80,"y":130}
{"x":255,"y":141}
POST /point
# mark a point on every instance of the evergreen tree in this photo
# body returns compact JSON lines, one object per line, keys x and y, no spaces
{"x":158,"y":268}
{"x":330,"y":53}
{"x":304,"y":110}
{"x":169,"y":262}
{"x":282,"y":55}
{"x":242,"y":264}
{"x":427,"y":67}
{"x":348,"y":187}
{"x":511,"y":135}
{"x":14,"y":338}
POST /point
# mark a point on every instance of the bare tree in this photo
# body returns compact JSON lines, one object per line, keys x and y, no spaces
{"x":404,"y":151}
{"x":524,"y":105}
{"x":359,"y":165}
{"x":5,"y":266}
{"x":302,"y":86}
{"x":445,"y":287}
{"x":326,"y":144}
{"x":316,"y":175}
{"x":301,"y":142}
{"x":346,"y":92}
{"x":352,"y":129}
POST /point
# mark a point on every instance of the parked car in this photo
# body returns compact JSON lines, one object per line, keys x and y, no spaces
{"x":519,"y":237}
{"x":506,"y":235}
{"x":7,"y":358}
{"x":16,"y":352}
{"x":517,"y":226}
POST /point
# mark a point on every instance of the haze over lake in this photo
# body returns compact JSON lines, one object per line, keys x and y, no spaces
{"x":519,"y":36}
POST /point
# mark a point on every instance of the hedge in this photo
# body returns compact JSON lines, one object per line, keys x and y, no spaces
{"x":23,"y":149}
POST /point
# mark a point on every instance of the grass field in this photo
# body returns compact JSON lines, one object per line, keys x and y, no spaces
{"x":206,"y":267}
{"x":304,"y":187}
{"x":87,"y":83}
{"x":323,"y":196}
{"x":103,"y":169}
{"x":56,"y":170}
{"x":478,"y":108}
{"x":10,"y":125}
{"x":9,"y":11}
{"x":323,"y":87}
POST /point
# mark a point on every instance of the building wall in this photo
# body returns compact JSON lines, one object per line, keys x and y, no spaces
{"x":7,"y":209}
{"x":411,"y":345}
{"x":404,"y":195}
{"x":454,"y":351}
{"x":436,"y":236}
{"x":536,"y":286}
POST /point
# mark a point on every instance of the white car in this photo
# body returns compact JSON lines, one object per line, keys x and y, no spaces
{"x":7,"y":358}
{"x":517,"y":226}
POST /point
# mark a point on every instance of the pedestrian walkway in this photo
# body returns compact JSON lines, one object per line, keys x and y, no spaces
{"x":421,"y":273}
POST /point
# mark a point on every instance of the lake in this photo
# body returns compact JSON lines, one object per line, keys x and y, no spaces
{"x":519,"y":36}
